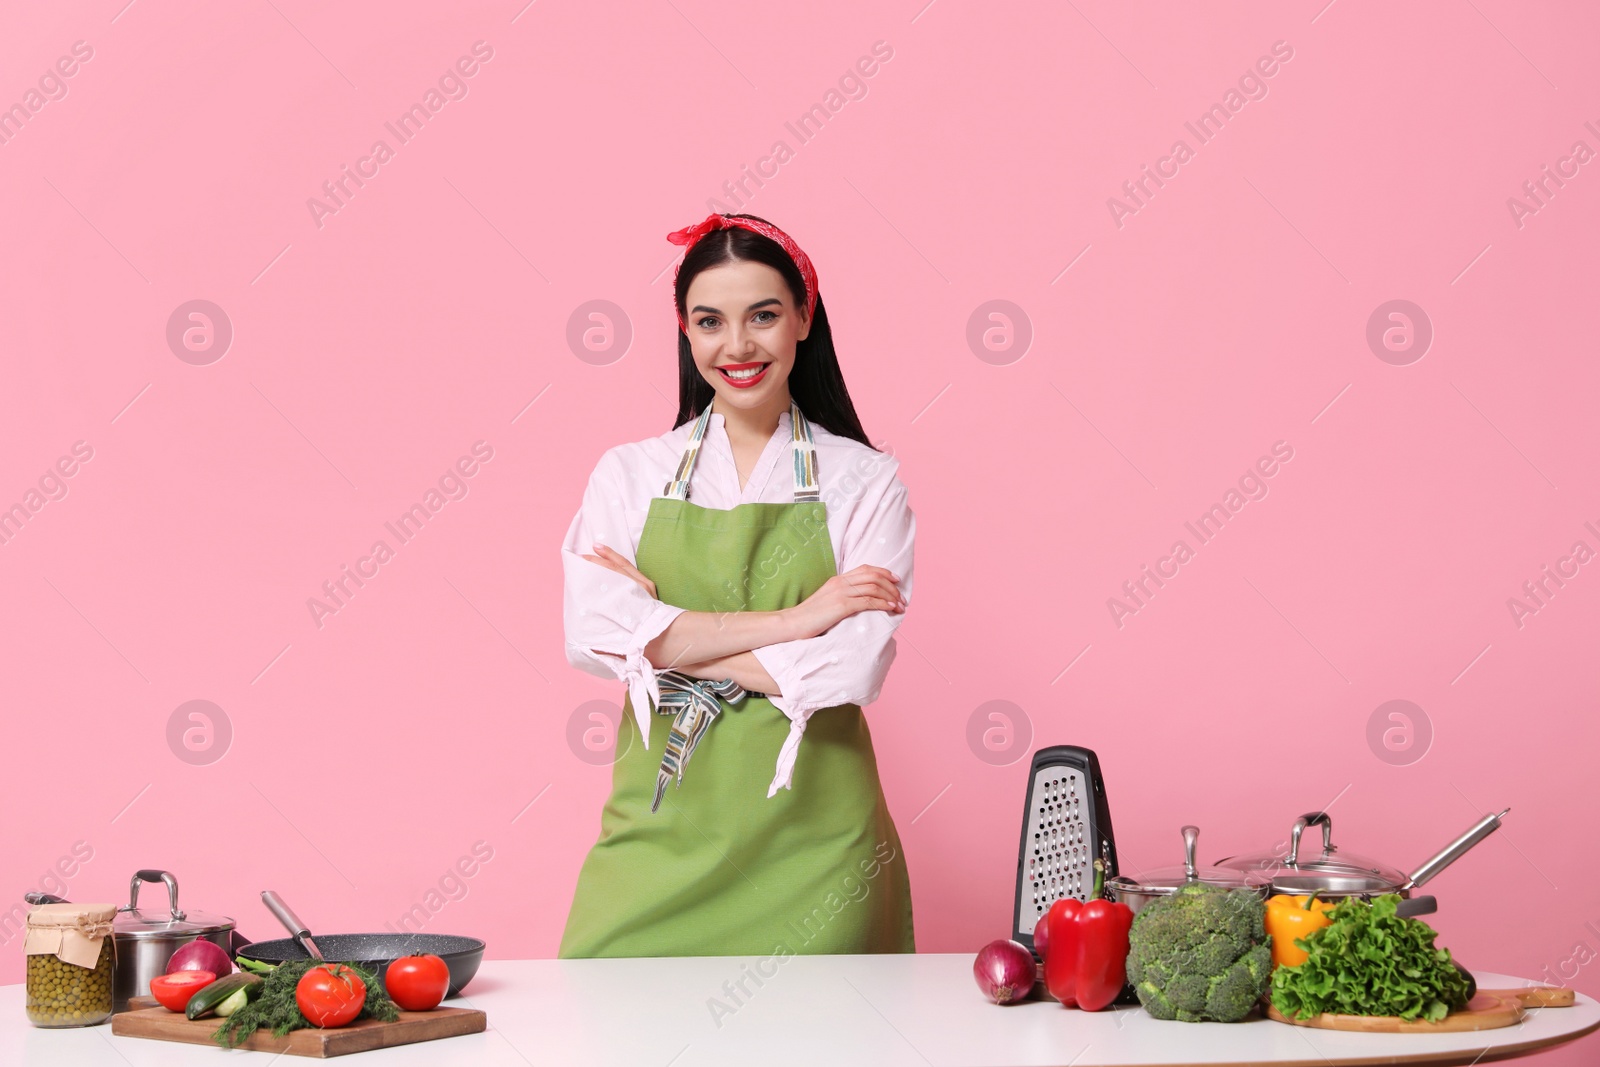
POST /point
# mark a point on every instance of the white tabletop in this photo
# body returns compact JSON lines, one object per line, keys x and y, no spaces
{"x":870,"y":1009}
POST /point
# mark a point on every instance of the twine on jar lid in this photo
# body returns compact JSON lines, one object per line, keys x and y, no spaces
{"x":70,"y":932}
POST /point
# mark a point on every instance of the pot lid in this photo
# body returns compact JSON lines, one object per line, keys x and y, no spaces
{"x":161,"y":926}
{"x":1165,"y":880}
{"x":164,"y":924}
{"x":1305,"y":868}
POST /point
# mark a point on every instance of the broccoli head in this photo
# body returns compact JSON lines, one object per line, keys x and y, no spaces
{"x":1200,"y":954}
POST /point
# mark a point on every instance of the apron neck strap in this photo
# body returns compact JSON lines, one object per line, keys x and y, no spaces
{"x":805,"y":456}
{"x":803,"y":448}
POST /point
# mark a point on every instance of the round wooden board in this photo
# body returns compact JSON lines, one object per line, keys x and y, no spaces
{"x":1486,"y":1011}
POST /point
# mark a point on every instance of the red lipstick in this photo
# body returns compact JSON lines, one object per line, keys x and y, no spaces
{"x":731,"y":373}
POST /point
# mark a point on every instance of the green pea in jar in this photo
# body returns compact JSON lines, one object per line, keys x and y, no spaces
{"x":72,"y":964}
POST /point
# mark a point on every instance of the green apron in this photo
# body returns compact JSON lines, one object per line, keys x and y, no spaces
{"x":721,"y":869}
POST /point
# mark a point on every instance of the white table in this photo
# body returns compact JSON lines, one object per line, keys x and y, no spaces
{"x":870,"y":1009}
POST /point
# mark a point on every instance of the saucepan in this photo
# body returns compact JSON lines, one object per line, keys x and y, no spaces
{"x":1334,"y":874}
{"x":372,"y":952}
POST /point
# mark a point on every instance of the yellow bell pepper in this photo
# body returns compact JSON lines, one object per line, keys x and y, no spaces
{"x":1289,"y":917}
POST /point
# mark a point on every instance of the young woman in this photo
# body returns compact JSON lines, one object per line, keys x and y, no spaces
{"x":760,"y":613}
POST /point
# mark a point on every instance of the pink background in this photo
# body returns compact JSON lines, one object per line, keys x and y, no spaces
{"x":1228,"y":313}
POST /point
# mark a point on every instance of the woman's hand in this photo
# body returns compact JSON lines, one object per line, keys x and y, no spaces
{"x":611,"y":559}
{"x":863,"y":588}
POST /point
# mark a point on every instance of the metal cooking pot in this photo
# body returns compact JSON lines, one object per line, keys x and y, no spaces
{"x":146,"y":940}
{"x":1165,"y":881}
{"x":1335,"y":874}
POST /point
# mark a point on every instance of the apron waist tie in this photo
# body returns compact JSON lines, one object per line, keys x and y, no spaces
{"x":695,"y":705}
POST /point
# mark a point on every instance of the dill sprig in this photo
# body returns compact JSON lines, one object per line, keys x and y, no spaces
{"x":276,"y":1009}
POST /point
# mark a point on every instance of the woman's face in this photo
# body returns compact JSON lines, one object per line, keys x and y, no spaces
{"x":742,"y":327}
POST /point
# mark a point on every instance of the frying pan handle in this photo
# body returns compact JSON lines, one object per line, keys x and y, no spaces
{"x":1457,"y":848}
{"x":1310,"y":818}
{"x":291,"y":922}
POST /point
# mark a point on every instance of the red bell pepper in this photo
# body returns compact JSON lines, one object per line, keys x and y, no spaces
{"x":1085,"y":959}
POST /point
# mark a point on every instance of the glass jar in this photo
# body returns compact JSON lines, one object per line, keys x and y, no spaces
{"x":72,"y":964}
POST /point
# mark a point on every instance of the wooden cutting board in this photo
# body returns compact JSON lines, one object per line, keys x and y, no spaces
{"x":1490,"y":1009}
{"x":146,"y":1018}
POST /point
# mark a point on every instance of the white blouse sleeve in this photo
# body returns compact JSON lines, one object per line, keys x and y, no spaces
{"x":608,"y":617}
{"x":848,"y":663}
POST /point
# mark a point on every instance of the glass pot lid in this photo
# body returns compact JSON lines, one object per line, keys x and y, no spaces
{"x":1169,"y":879}
{"x":1304,"y":868}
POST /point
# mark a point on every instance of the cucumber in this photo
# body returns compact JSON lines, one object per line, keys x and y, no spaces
{"x":235,"y":1000}
{"x":208,"y":999}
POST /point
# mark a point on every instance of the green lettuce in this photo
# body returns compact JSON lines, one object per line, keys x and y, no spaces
{"x":1370,"y":961}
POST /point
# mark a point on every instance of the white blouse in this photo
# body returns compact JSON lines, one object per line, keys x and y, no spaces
{"x":609,"y":618}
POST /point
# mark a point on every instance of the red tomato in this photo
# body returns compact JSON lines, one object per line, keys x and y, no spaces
{"x":417,"y":983}
{"x":330,"y":995}
{"x":174,"y":990}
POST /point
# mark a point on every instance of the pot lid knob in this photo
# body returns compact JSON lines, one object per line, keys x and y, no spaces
{"x":1191,"y":836}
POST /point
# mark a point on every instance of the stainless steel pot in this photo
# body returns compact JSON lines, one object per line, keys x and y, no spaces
{"x":1335,"y":874}
{"x":1138,"y":891}
{"x":146,"y":940}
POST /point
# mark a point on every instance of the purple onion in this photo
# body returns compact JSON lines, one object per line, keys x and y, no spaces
{"x":1005,"y":971}
{"x":200,"y":955}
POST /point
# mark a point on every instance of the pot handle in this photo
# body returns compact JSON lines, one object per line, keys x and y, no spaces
{"x":1414,"y":906}
{"x":1311,"y":818}
{"x":1456,"y":849}
{"x":155,"y":876}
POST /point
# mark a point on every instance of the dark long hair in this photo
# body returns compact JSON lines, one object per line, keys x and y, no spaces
{"x":815,"y":381}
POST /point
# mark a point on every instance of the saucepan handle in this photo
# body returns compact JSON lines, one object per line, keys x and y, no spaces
{"x":1457,"y":848}
{"x":1415,"y":906}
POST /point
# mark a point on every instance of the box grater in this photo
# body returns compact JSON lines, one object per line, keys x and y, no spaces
{"x":1065,"y":825}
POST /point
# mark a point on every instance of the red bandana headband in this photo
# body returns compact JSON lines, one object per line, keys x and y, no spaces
{"x":690,"y":234}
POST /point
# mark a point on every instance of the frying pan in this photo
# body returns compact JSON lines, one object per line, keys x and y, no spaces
{"x":373,"y":952}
